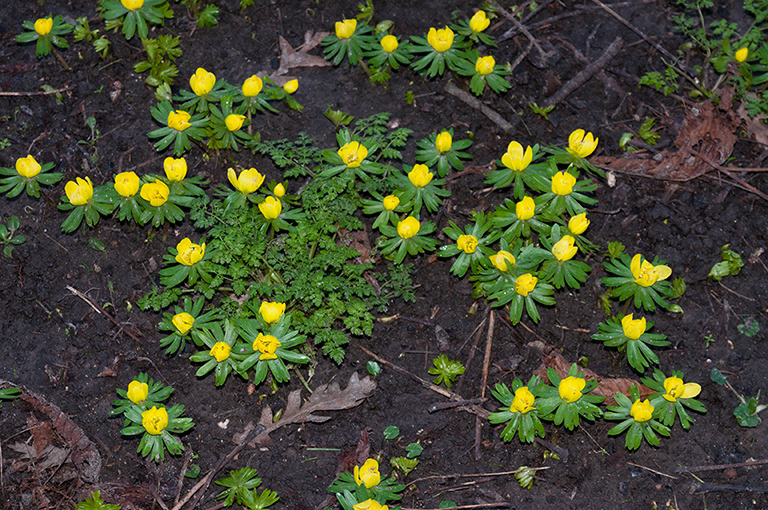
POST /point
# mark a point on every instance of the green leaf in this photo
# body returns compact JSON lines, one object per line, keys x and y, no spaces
{"x":414,"y":450}
{"x":391,"y":432}
{"x":404,"y":465}
{"x":730,"y":266}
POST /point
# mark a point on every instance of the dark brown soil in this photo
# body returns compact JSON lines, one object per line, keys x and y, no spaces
{"x":57,"y":346}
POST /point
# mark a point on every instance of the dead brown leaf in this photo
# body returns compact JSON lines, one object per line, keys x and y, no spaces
{"x":291,"y":58}
{"x":755,"y":126}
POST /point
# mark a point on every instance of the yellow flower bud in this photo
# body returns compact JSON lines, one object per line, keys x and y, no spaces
{"x":581,"y":145}
{"x":389,"y":43}
{"x":252,"y":86}
{"x":370,"y":504}
{"x":525,"y":209}
{"x":247,"y":182}
{"x":178,"y":120}
{"x":266,"y":345}
{"x":578,"y":224}
{"x":234,"y":121}
{"x":154,"y":420}
{"x":479,"y":22}
{"x":641,"y":411}
{"x":346,"y":28}
{"x":741,"y":54}
{"x":408,"y":228}
{"x":391,"y":202}
{"x":271,"y":311}
{"x":675,"y":389}
{"x":220,"y":351}
{"x":503,"y":260}
{"x":270,"y":208}
{"x":562,"y":183}
{"x":156,"y":193}
{"x":516,"y":158}
{"x":420,"y":176}
{"x":352,"y":154}
{"x":633,"y":328}
{"x":43,"y":26}
{"x":183,"y":322}
{"x":80,"y":192}
{"x":27,"y":167}
{"x":367,"y":474}
{"x":202,"y":82}
{"x":523,"y":401}
{"x":189,"y":253}
{"x":484,"y":65}
{"x":175,"y":169}
{"x":441,"y":40}
{"x":525,"y":284}
{"x":127,"y":184}
{"x":291,"y":86}
{"x":570,"y":388}
{"x":137,"y":391}
{"x":443,"y":142}
{"x":645,"y":273}
{"x":132,"y":5}
{"x":564,"y":250}
{"x":467,"y":243}
{"x":279,"y":190}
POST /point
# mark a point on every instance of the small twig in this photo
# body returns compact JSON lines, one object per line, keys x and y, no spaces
{"x":439,"y":406}
{"x":38,"y":93}
{"x":61,"y":60}
{"x":476,"y":334}
{"x":462,"y":475}
{"x":730,"y":174}
{"x":187,"y":457}
{"x":413,"y":376}
{"x":718,"y":467}
{"x":703,"y":487}
{"x":100,"y":311}
{"x":519,"y":26}
{"x":736,"y":293}
{"x":479,"y":105}
{"x":486,"y":363}
{"x":652,"y":470}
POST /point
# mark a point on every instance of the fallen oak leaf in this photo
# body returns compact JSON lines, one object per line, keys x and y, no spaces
{"x":291,"y":58}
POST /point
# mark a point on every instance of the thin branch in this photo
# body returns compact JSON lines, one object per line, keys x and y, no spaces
{"x":652,"y":470}
{"x":38,"y":93}
{"x":519,"y":26}
{"x":479,"y":105}
{"x":718,"y":467}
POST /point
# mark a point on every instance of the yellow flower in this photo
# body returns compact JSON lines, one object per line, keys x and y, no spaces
{"x":202,"y":82}
{"x":523,"y":401}
{"x":271,"y":311}
{"x":675,"y":389}
{"x":291,"y":86}
{"x":156,"y":193}
{"x":420,"y":176}
{"x":132,"y":5}
{"x":247,"y":182}
{"x":189,"y":252}
{"x":234,"y":121}
{"x":220,"y":351}
{"x":467,"y":243}
{"x":564,"y":249}
{"x":641,"y":411}
{"x":137,"y":391}
{"x":183,"y":322}
{"x":43,"y":26}
{"x":645,"y":273}
{"x":443,"y":142}
{"x":252,"y":86}
{"x":484,"y":65}
{"x":279,"y":190}
{"x":441,"y":40}
{"x":154,"y":420}
{"x":633,"y":328}
{"x":516,"y":158}
{"x":271,"y":208}
{"x":175,"y":169}
{"x":370,"y":504}
{"x":570,"y":388}
{"x":266,"y":345}
{"x":578,"y":224}
{"x":479,"y":22}
{"x":178,"y":120}
{"x":127,"y":184}
{"x":580,"y":145}
{"x":525,"y":284}
{"x":740,"y":55}
{"x":28,"y":167}
{"x":352,"y":154}
{"x":503,"y":260}
{"x":408,"y":228}
{"x":391,"y":202}
{"x":525,"y":208}
{"x":389,"y":43}
{"x":562,"y":183}
{"x":80,"y":192}
{"x":368,"y":474}
{"x":346,"y":28}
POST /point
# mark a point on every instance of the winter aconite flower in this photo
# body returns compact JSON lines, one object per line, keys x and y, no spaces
{"x":633,"y":328}
{"x":156,"y":193}
{"x":485,"y":65}
{"x":564,"y":249}
{"x":570,"y":388}
{"x":641,"y":410}
{"x":183,"y":322}
{"x":370,"y":504}
{"x":175,"y":169}
{"x":252,"y":86}
{"x":247,"y":182}
{"x":266,"y":345}
{"x":154,"y":420}
{"x":346,"y":28}
{"x":127,"y":184}
{"x":178,"y":120}
{"x":516,"y":158}
{"x":367,"y":474}
{"x":353,"y":154}
{"x":443,"y":142}
{"x":441,"y":40}
{"x":43,"y":26}
{"x":408,"y":228}
{"x":391,"y":202}
{"x":279,"y":190}
{"x":523,"y":401}
{"x":80,"y":191}
{"x":291,"y":86}
{"x":271,"y":208}
{"x":525,"y":208}
{"x":503,"y":260}
{"x":132,"y":5}
{"x":420,"y":176}
{"x":28,"y":167}
{"x":389,"y":43}
{"x":137,"y":391}
{"x":220,"y":351}
{"x":740,"y":55}
{"x":645,"y":273}
{"x":675,"y":389}
{"x":189,"y":252}
{"x":580,"y":144}
{"x":562,"y":183}
{"x":467,"y":243}
{"x":202,"y":81}
{"x":525,"y":284}
{"x":271,"y":311}
{"x":578,"y":224}
{"x":234,"y":121}
{"x":479,"y":22}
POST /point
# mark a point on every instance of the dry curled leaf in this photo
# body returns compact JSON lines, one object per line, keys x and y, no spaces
{"x":291,"y":58}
